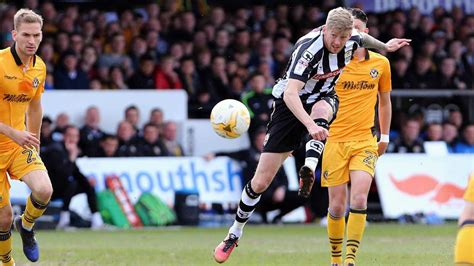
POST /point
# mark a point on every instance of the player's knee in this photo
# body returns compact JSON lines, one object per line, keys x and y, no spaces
{"x":6,"y":219}
{"x":337,"y":210}
{"x":43,"y":191}
{"x":259,"y":185}
{"x":359,"y":201}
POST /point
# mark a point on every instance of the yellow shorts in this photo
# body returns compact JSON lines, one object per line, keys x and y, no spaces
{"x":469,"y":194}
{"x":17,"y":163}
{"x":339,"y":158}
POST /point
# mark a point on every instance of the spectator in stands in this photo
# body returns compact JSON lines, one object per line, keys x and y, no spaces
{"x":447,"y":78}
{"x":76,"y":43}
{"x":61,"y":122}
{"x":89,"y":61}
{"x":137,"y":50}
{"x":46,"y":132}
{"x":450,"y":135}
{"x":143,"y":78}
{"x":90,"y":133}
{"x":169,"y":139}
{"x":409,"y":141}
{"x":132,"y":115}
{"x":434,"y":132}
{"x":190,"y":79}
{"x":399,"y":73}
{"x":109,"y":145}
{"x":156,"y":117}
{"x":127,"y":140}
{"x":277,"y":196}
{"x":259,"y":101}
{"x":150,"y":144}
{"x":166,"y":77}
{"x":116,"y":56}
{"x":117,"y":80}
{"x":67,"y":179}
{"x":69,"y":75}
{"x":421,"y":76}
{"x":456,"y":118}
{"x":216,"y":81}
{"x":468,"y":60}
{"x":467,"y":143}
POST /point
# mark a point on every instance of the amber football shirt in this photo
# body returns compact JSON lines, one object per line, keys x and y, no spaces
{"x":357,"y":89}
{"x":17,"y":89}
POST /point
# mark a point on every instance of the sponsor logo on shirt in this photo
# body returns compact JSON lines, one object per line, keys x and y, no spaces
{"x":327,"y":75}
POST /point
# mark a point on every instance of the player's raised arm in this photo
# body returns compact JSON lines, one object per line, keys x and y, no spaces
{"x":391,"y":46}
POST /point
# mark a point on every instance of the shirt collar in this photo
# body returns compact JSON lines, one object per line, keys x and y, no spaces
{"x":17,"y":57}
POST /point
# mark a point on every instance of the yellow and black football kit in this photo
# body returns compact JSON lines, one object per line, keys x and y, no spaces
{"x":351,"y":144}
{"x":464,"y":248}
{"x":19,"y":85}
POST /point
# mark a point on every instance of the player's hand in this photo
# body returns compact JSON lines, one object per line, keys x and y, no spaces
{"x":317,"y":132}
{"x":382,"y":148}
{"x":395,"y":44}
{"x":25,"y":139}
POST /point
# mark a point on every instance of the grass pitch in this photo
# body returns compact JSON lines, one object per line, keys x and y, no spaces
{"x":383,"y":244}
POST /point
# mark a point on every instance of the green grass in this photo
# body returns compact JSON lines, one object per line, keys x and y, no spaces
{"x":383,"y":244}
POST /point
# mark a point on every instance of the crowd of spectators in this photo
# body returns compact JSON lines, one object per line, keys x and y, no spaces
{"x":212,"y":52}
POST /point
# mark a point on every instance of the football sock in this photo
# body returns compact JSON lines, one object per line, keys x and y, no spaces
{"x":6,"y":247}
{"x":314,"y":148}
{"x":34,"y":209}
{"x":464,"y":249}
{"x":247,"y":205}
{"x":335,"y":229}
{"x":355,"y":231}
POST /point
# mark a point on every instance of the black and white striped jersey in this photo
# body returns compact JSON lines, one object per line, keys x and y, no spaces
{"x":313,"y":64}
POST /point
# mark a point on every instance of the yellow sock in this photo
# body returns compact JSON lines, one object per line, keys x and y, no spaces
{"x":464,"y":249}
{"x":336,"y":227}
{"x":6,"y":248}
{"x":34,"y":209}
{"x":355,"y":231}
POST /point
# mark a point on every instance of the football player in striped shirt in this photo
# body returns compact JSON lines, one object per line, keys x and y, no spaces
{"x":305,"y":104}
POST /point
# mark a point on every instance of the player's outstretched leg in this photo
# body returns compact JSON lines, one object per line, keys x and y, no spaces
{"x":247,"y":206}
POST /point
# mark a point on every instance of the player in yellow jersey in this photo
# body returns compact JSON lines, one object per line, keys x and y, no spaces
{"x":351,"y":149}
{"x":464,"y":250}
{"x":22,"y":77}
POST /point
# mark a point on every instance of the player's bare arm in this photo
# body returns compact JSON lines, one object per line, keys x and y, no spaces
{"x":385,"y":117}
{"x":23,"y":138}
{"x":293,"y":102}
{"x":33,"y":119}
{"x":391,"y":46}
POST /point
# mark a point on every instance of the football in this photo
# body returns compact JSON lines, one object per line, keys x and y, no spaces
{"x":230,"y":118}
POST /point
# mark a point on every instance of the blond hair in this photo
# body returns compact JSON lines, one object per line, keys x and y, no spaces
{"x":25,"y":15}
{"x":339,"y":19}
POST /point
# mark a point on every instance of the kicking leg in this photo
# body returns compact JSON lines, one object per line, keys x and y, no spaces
{"x":322,"y":112}
{"x":267,"y":168}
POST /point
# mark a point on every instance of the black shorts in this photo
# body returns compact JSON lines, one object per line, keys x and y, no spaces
{"x":284,"y":131}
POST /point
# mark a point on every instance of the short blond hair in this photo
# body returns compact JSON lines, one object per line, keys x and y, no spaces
{"x":26,"y":15}
{"x":339,"y":19}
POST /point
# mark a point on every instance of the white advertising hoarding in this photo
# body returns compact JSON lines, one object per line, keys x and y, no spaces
{"x":409,"y":183}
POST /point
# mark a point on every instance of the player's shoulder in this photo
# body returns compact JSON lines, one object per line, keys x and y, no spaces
{"x":4,"y":52}
{"x":378,"y":57}
{"x":40,"y":63}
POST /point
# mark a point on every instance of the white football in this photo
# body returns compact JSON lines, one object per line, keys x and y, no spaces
{"x":230,"y":119}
